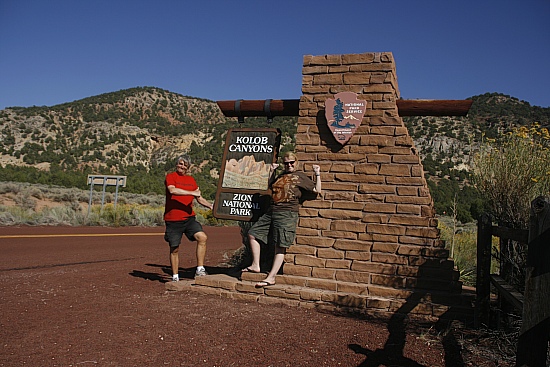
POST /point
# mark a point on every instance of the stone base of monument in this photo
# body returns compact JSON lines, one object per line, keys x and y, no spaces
{"x":338,"y":297}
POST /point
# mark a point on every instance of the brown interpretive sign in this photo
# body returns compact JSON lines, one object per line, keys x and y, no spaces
{"x":344,"y":114}
{"x":243,"y":187}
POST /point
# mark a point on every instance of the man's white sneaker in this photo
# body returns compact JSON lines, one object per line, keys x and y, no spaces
{"x":176,"y":278}
{"x":200,"y":272}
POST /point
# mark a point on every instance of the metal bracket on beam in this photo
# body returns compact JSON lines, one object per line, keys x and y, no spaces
{"x":267,"y":110}
{"x":238,"y":111}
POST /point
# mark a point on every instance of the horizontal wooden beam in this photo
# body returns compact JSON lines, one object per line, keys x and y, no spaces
{"x":434,"y":107}
{"x":290,"y":107}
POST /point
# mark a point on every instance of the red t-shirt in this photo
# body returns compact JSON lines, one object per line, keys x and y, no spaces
{"x":179,"y":207}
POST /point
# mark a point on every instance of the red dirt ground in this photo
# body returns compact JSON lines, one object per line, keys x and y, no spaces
{"x":100,"y":301}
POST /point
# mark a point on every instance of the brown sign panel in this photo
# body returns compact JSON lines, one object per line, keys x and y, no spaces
{"x":243,"y":187}
{"x":344,"y":114}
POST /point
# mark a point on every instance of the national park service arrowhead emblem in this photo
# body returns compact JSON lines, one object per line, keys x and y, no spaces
{"x":344,"y":114}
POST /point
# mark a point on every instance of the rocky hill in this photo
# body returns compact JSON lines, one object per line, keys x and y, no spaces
{"x":138,"y":132}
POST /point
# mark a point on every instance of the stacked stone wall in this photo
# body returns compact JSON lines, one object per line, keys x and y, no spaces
{"x":374,"y":224}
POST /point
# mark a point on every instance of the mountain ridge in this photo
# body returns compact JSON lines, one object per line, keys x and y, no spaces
{"x":139,"y":131}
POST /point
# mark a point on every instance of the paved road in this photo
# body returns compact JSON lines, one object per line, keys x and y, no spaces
{"x":30,"y":247}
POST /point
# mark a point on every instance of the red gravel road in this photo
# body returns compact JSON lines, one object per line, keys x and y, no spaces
{"x":99,"y":300}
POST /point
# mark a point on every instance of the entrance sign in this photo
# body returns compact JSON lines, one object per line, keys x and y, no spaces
{"x":344,"y":115}
{"x":243,"y":187}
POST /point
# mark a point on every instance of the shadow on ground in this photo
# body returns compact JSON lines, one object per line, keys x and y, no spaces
{"x":165,"y":274}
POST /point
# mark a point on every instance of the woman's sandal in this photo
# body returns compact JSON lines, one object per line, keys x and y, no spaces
{"x":263,"y":284}
{"x":248,"y":270}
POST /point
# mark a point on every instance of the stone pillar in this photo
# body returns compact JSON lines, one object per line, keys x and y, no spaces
{"x":373,"y":229}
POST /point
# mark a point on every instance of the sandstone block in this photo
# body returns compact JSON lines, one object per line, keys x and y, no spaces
{"x":352,"y":276}
{"x":340,"y":214}
{"x":380,"y":257}
{"x":348,"y":225}
{"x":364,"y":58}
{"x":340,"y":234}
{"x":400,"y":170}
{"x":327,"y":79}
{"x":338,"y":264}
{"x":314,"y":241}
{"x":409,"y":250}
{"x":385,"y":229}
{"x":347,"y":300}
{"x":407,"y":190}
{"x":280,"y":292}
{"x":379,"y":158}
{"x":302,"y":249}
{"x":406,"y":159}
{"x":386,"y":247}
{"x":326,"y":284}
{"x":370,"y":267}
{"x":349,"y":245}
{"x":382,"y":304}
{"x":388,"y":280}
{"x":374,"y":218}
{"x":315,"y":89}
{"x":307,"y":70}
{"x":330,"y":253}
{"x":362,"y":178}
{"x":357,"y":78}
{"x":323,"y":60}
{"x":366,"y":168}
{"x":310,"y":295}
{"x":308,"y":260}
{"x":356,"y":288}
{"x":291,"y":269}
{"x":358,"y":255}
{"x":316,"y":223}
{"x":347,"y":205}
{"x":378,"y":140}
{"x":323,"y":273}
{"x":422,"y":232}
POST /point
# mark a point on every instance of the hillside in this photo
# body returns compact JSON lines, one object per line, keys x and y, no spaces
{"x":138,"y":132}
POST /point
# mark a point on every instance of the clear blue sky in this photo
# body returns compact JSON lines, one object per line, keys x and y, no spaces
{"x":58,"y":51}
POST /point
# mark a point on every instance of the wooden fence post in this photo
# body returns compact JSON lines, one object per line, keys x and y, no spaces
{"x":535,"y":329}
{"x":483,"y":280}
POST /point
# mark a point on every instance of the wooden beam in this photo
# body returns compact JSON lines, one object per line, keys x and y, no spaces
{"x":433,"y":107}
{"x":290,"y":107}
{"x":510,"y":293}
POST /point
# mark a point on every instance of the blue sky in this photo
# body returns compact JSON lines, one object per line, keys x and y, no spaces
{"x":59,"y":51}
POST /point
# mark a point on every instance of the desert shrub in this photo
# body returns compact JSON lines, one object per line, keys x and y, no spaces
{"x":511,"y":172}
{"x":25,"y":201}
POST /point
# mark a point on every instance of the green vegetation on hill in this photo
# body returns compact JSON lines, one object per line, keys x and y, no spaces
{"x":138,"y":132}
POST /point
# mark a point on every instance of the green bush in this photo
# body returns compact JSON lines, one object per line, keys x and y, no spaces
{"x":512,"y":171}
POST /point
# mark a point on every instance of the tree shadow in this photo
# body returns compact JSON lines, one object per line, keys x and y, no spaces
{"x":393,"y":352}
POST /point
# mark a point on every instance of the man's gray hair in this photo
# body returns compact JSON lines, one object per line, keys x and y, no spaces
{"x":185,"y":159}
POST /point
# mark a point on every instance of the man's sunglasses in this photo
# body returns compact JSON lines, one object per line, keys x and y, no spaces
{"x":289,"y":163}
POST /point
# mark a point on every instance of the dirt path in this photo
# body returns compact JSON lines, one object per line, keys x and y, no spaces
{"x":100,"y":301}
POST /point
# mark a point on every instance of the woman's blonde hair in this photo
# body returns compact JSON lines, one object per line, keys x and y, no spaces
{"x":290,"y":155}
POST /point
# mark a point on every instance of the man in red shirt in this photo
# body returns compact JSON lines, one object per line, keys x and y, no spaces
{"x":179,"y":216}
